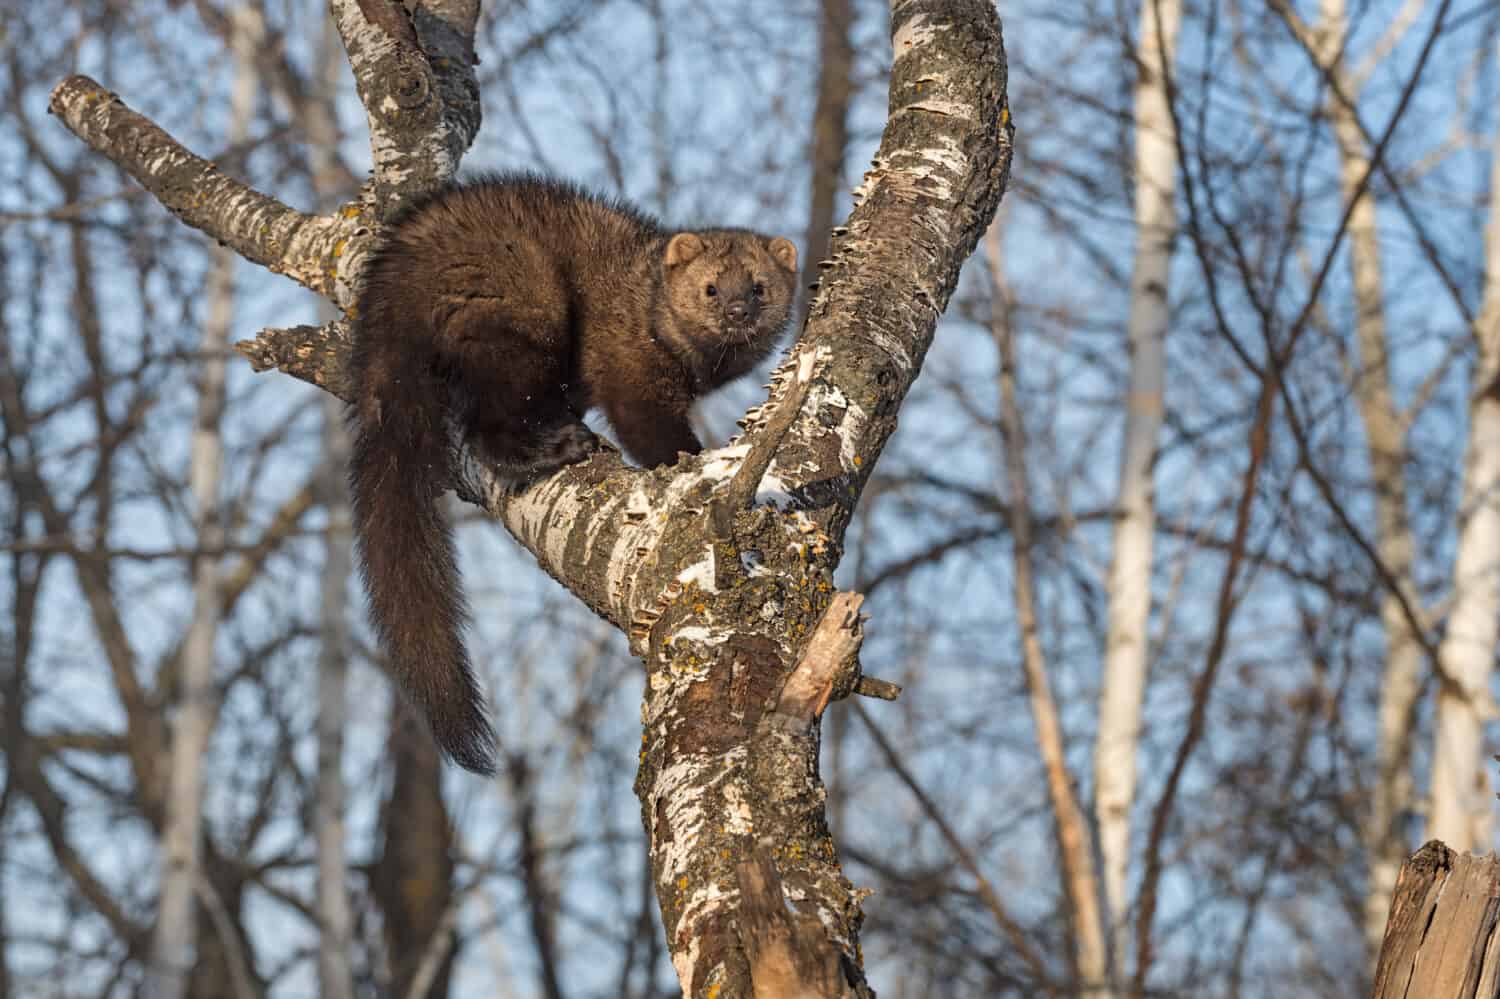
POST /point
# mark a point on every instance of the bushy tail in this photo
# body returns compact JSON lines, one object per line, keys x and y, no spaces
{"x":406,"y":555}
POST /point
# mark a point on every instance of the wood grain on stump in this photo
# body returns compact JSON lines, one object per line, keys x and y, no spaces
{"x":1440,"y":940}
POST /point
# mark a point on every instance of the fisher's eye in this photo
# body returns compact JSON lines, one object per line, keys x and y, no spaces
{"x":711,"y":291}
{"x":759,"y":289}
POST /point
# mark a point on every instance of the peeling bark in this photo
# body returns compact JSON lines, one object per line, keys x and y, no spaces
{"x":783,"y":949}
{"x":719,"y":602}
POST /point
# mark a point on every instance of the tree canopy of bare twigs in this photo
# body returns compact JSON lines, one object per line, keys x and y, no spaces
{"x":1183,"y":554}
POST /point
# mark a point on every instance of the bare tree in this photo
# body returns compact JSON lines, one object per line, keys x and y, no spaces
{"x":1326,"y":294}
{"x":335,"y":920}
{"x":1458,"y":811}
{"x":1385,"y":428}
{"x":335,"y":937}
{"x":1127,"y":648}
{"x":1075,"y":840}
{"x":673,"y":592}
{"x":1462,"y":807}
{"x":175,"y":943}
{"x":830,"y":134}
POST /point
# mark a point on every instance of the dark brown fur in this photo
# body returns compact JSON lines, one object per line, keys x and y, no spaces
{"x":513,"y":305}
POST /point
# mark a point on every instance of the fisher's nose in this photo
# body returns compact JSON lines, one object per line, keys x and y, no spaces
{"x":737,"y":310}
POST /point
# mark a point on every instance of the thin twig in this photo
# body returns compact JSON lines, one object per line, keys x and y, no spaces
{"x":1019,"y":938}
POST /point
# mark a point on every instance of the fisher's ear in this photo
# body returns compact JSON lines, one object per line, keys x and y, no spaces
{"x":784,"y":252}
{"x":683,"y":248}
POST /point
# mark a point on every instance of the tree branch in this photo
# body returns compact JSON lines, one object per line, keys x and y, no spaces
{"x":306,"y":248}
{"x":722,"y":623}
{"x":415,"y":77}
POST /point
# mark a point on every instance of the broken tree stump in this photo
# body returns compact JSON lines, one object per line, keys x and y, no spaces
{"x":1441,"y":940}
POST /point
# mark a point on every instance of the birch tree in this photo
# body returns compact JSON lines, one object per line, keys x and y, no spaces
{"x":1271,"y":361}
{"x":1385,"y":427}
{"x":1127,"y":644}
{"x":684,"y":562}
{"x":1462,"y":806}
{"x":968,"y":804}
{"x":1075,"y":845}
{"x":1457,"y":813}
{"x":175,"y":943}
{"x":335,"y":920}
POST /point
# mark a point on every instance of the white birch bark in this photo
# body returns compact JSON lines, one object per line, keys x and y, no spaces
{"x":643,"y":548}
{"x":1385,"y":435}
{"x":1126,"y":648}
{"x":335,"y":922}
{"x":174,"y":944}
{"x":1460,"y":813}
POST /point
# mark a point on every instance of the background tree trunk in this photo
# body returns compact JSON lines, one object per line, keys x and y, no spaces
{"x":336,"y":648}
{"x":830,"y":136}
{"x":1385,"y":432}
{"x":411,"y":879}
{"x":175,"y":945}
{"x":1075,"y":845}
{"x":335,"y":923}
{"x":1462,"y":807}
{"x":1132,"y":569}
